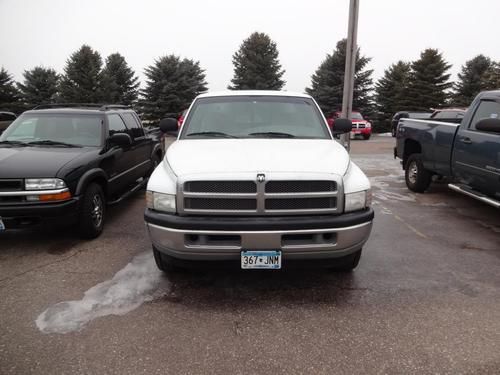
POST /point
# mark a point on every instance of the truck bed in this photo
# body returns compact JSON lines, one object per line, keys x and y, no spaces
{"x":433,"y":139}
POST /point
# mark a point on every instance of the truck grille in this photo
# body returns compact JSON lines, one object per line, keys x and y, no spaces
{"x":246,"y":197}
{"x":11,"y":184}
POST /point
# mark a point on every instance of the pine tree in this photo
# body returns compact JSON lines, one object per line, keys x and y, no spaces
{"x":39,"y":86}
{"x":327,"y":83}
{"x":471,"y":80}
{"x":391,"y":92}
{"x":491,"y":78}
{"x":171,"y":86}
{"x":9,"y":95}
{"x":429,"y":82}
{"x":119,"y":83}
{"x":81,"y":82}
{"x":256,"y":65}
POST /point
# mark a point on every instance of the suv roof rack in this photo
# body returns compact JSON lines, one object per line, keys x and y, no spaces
{"x":101,"y":107}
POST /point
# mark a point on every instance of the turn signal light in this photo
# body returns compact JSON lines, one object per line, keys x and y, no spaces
{"x":65,"y":195}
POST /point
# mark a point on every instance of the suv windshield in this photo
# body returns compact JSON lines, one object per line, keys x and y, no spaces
{"x":49,"y":129}
{"x":254,"y":117}
{"x":357,"y":116}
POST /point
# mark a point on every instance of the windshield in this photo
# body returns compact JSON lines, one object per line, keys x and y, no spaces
{"x":78,"y":130}
{"x":356,"y":116}
{"x":254,"y":117}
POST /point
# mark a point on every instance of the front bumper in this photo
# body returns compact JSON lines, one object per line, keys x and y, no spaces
{"x":218,"y":238}
{"x":26,"y":215}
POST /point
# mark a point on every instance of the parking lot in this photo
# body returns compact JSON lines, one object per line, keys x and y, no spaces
{"x":424,"y":299}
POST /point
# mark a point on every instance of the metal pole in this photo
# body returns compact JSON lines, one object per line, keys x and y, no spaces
{"x":350,"y":67}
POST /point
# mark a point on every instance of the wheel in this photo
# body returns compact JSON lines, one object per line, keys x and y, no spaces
{"x":155,"y":161}
{"x":393,"y":131}
{"x":163,"y":262}
{"x":366,"y":137}
{"x":417,"y":177}
{"x":347,"y":263}
{"x":92,"y":212}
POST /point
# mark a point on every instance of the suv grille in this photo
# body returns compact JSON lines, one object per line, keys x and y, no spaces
{"x":11,"y":184}
{"x":246,"y":197}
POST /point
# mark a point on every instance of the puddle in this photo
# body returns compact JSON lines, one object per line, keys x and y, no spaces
{"x":138,"y":282}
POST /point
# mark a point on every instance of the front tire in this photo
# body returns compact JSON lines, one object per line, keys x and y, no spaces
{"x":92,"y":212}
{"x":163,"y":262}
{"x":155,"y":161}
{"x":366,"y":137}
{"x":417,"y":177}
{"x":347,"y":263}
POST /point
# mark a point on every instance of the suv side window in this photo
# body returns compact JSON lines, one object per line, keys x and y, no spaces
{"x":116,"y":125}
{"x":133,"y":125}
{"x":485,"y":109}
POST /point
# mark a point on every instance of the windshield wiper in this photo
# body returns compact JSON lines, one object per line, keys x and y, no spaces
{"x":52,"y":143}
{"x":211,"y":134}
{"x":13,"y":143}
{"x":272,"y":135}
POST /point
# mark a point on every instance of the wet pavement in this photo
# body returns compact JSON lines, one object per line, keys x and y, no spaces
{"x":424,"y":299}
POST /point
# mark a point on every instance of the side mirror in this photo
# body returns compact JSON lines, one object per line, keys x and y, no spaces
{"x":120,"y":139}
{"x":168,"y":125}
{"x":489,"y":125}
{"x":341,"y":125}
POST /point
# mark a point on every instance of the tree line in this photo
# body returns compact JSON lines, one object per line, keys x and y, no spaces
{"x":173,"y":82}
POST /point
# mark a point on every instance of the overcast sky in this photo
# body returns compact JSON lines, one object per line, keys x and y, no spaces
{"x":46,"y":32}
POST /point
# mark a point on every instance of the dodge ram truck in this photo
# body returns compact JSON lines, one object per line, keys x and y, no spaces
{"x":467,"y":153}
{"x":61,"y":164}
{"x":256,"y":178}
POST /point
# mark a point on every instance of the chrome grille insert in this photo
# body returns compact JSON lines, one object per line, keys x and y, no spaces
{"x":277,"y":194}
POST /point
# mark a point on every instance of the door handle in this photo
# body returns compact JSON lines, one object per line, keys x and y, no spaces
{"x":466,"y":140}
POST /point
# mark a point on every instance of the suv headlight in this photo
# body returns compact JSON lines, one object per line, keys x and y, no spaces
{"x":358,"y":201}
{"x":44,"y":184}
{"x":160,"y":201}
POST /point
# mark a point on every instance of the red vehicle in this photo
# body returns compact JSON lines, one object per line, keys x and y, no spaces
{"x":360,"y":126}
{"x":180,"y":119}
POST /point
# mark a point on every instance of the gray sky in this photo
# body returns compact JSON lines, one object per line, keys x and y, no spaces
{"x":46,"y":32}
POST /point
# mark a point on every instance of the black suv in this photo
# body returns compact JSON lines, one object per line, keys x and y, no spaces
{"x":63,"y":164}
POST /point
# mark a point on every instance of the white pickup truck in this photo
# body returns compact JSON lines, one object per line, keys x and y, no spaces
{"x":256,"y":178}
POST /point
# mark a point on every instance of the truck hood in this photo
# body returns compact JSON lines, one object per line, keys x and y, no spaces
{"x":32,"y":162}
{"x":257,"y":155}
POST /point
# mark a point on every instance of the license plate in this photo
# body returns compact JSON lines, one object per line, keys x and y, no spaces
{"x":262,"y":259}
{"x":2,"y":225}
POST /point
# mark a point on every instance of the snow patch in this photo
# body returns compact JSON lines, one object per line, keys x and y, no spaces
{"x":385,"y":134}
{"x":138,"y":282}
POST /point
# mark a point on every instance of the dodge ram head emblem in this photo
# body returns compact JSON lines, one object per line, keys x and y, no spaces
{"x":261,"y":177}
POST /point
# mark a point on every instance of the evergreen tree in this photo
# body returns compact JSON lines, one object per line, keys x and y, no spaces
{"x":256,"y":65}
{"x":391,"y":92}
{"x":491,"y":78}
{"x":81,"y":82}
{"x":327,"y":83}
{"x":119,"y":83}
{"x":429,"y":82}
{"x":171,"y":86}
{"x":39,"y":86}
{"x":471,"y":80}
{"x":9,"y":95}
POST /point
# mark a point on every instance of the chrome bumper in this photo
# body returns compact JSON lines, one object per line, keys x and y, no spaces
{"x":227,"y":245}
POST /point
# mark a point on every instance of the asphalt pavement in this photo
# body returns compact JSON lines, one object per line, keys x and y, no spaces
{"x":424,"y":299}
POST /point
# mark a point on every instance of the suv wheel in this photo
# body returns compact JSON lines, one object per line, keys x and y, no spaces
{"x":366,"y":137}
{"x":417,"y":177}
{"x":155,"y":161}
{"x":92,"y":212}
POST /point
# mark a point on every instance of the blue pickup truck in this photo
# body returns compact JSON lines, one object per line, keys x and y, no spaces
{"x":468,"y":153}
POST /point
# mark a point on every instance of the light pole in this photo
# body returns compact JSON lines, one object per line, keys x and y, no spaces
{"x":350,"y":67}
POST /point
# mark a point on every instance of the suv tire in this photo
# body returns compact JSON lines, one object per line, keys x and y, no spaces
{"x":92,"y":212}
{"x":417,"y":177}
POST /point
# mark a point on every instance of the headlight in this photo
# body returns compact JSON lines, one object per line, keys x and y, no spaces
{"x":44,"y":184}
{"x":160,"y":202}
{"x":368,"y":125}
{"x":357,"y":201}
